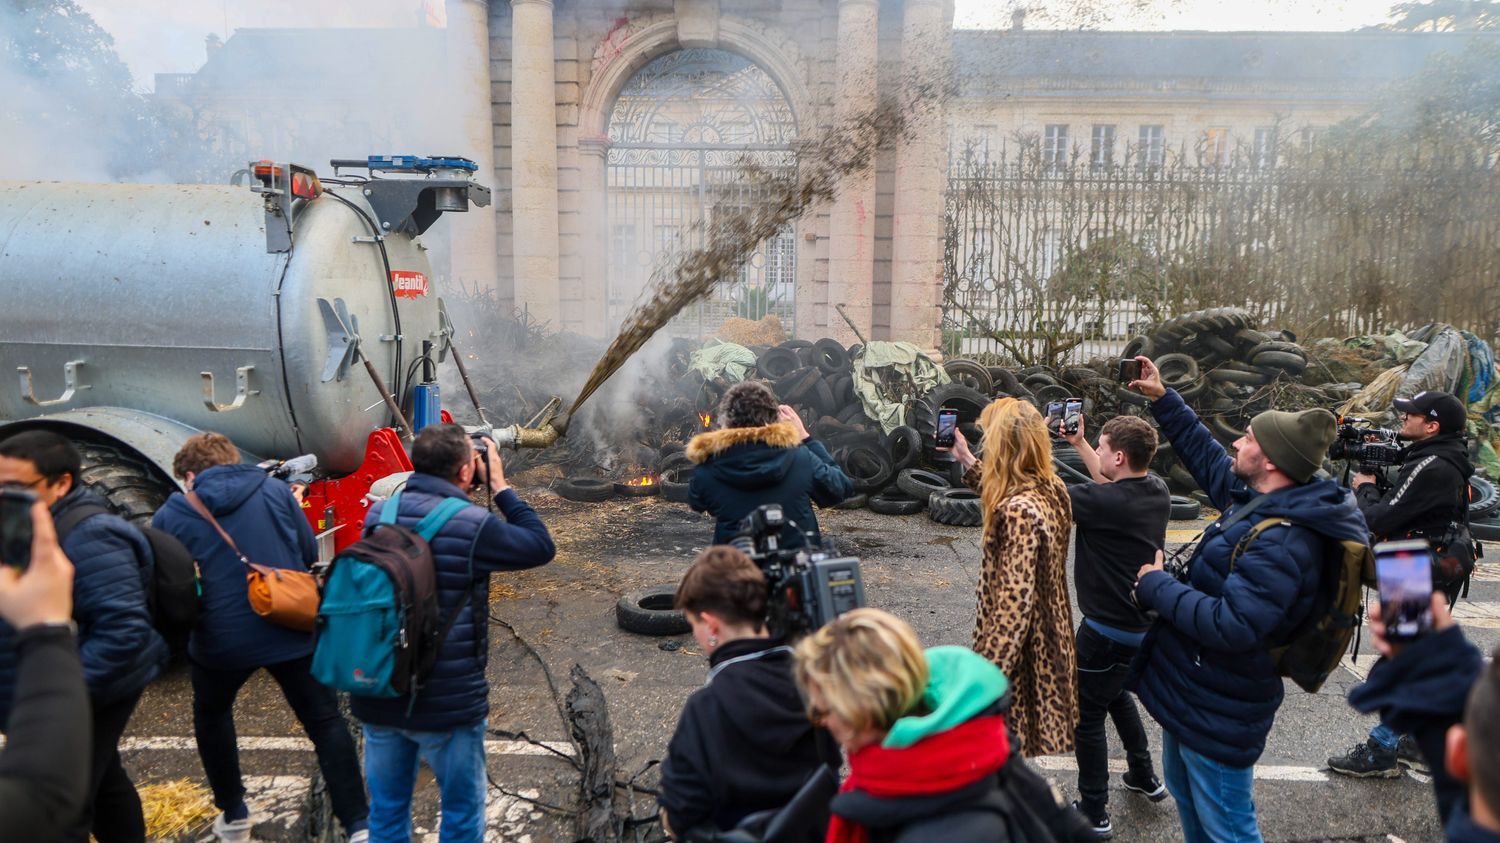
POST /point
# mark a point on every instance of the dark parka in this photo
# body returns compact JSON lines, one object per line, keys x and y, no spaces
{"x":1205,"y":670}
{"x":1431,"y":486}
{"x":456,"y":692}
{"x":112,"y":564}
{"x":741,"y":468}
{"x":743,"y":742}
{"x":267,"y":523}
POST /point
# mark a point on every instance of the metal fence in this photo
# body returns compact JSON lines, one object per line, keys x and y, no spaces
{"x":1050,"y":261}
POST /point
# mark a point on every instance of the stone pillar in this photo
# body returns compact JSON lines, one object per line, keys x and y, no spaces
{"x":474,"y":255}
{"x":533,"y":150}
{"x":851,"y":235}
{"x":592,"y":155}
{"x":921,"y":177}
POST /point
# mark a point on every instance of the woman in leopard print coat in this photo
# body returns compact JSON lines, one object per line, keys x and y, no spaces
{"x":1023,"y":622}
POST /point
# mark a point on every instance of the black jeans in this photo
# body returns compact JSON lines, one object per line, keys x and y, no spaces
{"x":1102,"y":668}
{"x":316,"y":707}
{"x":113,"y":809}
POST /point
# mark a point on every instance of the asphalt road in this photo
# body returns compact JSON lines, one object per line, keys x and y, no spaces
{"x":563,"y":615}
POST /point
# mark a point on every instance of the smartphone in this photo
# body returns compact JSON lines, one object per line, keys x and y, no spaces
{"x":15,"y":527}
{"x":1403,"y":571}
{"x":947,"y":423}
{"x":1054,"y":416}
{"x":1130,"y":370}
{"x":1072,"y":416}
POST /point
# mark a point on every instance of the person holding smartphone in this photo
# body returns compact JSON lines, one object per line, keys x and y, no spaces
{"x":1121,"y":524}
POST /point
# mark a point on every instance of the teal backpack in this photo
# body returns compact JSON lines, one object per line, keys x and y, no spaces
{"x":377,"y":632}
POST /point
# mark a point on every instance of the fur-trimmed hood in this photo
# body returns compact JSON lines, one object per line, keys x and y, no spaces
{"x":716,"y":442}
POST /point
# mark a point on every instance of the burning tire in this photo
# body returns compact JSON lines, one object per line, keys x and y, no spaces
{"x":957,"y":507}
{"x":893,"y":501}
{"x":649,"y":612}
{"x":586,"y":489}
{"x":641,"y":489}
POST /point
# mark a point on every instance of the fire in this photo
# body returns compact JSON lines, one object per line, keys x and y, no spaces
{"x":708,"y":421}
{"x":648,"y":480}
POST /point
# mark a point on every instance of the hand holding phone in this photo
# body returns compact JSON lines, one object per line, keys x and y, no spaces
{"x":15,"y":527}
{"x":1072,"y":418}
{"x":1403,"y":573}
{"x":1130,"y":370}
{"x":947,"y":424}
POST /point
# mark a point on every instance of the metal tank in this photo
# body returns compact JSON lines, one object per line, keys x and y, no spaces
{"x":146,"y":311}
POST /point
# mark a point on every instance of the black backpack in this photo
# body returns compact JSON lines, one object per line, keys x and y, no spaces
{"x":173,"y":592}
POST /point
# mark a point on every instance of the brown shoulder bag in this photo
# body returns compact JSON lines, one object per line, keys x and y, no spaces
{"x":284,"y":597}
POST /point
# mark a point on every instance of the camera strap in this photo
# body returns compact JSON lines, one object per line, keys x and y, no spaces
{"x":1223,"y":525}
{"x":748,"y":657}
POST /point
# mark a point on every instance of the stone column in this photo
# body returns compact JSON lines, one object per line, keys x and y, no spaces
{"x":921,"y":177}
{"x":851,"y":234}
{"x":473,"y":254}
{"x":592,"y":155}
{"x":533,"y":153}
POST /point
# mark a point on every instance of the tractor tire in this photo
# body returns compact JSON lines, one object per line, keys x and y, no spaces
{"x":830,"y":357}
{"x":133,"y":488}
{"x":957,"y":507}
{"x":649,"y":612}
{"x":1484,"y":499}
{"x":1217,"y":320}
{"x":970,"y":374}
{"x":586,"y":489}
{"x":919,"y":483}
{"x":905,"y":445}
{"x":1184,"y":509}
{"x":893,"y":501}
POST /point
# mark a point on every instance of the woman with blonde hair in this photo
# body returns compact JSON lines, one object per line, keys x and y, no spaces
{"x":925,"y":733}
{"x":1023,"y":622}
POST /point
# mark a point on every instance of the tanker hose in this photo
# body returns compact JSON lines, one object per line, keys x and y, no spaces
{"x":516,"y":436}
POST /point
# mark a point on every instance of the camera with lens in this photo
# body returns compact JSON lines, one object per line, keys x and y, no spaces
{"x":1371,"y":448}
{"x":809,"y":585}
{"x":482,"y":454}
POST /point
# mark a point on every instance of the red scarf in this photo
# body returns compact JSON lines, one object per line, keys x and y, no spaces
{"x":938,"y":764}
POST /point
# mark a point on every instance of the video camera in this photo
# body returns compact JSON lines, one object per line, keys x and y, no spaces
{"x":809,"y":585}
{"x":1372,"y":448}
{"x":298,"y":467}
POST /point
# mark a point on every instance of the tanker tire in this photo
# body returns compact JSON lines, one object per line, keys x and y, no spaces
{"x":955,"y":507}
{"x":893,"y":501}
{"x":649,"y":612}
{"x":586,"y":489}
{"x":905,"y":444}
{"x":133,"y":488}
{"x":830,"y":357}
{"x":856,"y":501}
{"x":970,"y":374}
{"x":1184,"y":509}
{"x":919,"y":483}
{"x":1484,"y":498}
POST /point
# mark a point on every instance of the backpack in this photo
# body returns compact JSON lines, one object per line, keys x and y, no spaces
{"x":173,"y":592}
{"x":1312,"y":651}
{"x":377,"y":631}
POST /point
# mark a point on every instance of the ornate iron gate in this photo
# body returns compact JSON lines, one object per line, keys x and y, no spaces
{"x":681,"y":134}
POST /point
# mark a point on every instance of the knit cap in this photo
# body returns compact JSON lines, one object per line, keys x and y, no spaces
{"x":1296,"y":443}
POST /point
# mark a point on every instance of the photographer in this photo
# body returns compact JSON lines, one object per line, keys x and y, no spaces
{"x":1122,"y":524}
{"x":1428,"y":501}
{"x":231,"y":643}
{"x":44,"y":769}
{"x":762,"y":454}
{"x":445,"y":724}
{"x":743,"y":742}
{"x":1439,"y":689}
{"x":1205,"y":671}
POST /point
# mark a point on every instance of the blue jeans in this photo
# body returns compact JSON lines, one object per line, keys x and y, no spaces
{"x":457,"y":761}
{"x":1385,"y":736}
{"x":1213,"y":800}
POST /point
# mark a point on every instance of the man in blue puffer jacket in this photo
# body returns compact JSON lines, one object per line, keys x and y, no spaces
{"x":120,"y":650}
{"x":1205,"y":670}
{"x":445,"y":724}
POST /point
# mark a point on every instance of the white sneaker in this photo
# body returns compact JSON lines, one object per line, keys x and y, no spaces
{"x":361,"y":836}
{"x":232,"y":831}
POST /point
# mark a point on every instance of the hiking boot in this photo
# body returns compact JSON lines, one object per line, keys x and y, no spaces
{"x":1367,"y":760}
{"x":1150,"y":786}
{"x":1408,"y":754}
{"x":232,"y":831}
{"x":1103,"y":829}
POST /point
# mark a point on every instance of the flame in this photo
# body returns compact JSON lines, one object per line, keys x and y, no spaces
{"x":708,"y":421}
{"x":648,"y":480}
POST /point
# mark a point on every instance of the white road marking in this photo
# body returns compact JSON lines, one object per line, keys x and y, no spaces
{"x":1360,"y":666}
{"x":1482,"y":615}
{"x":1263,"y":772}
{"x":175,"y":743}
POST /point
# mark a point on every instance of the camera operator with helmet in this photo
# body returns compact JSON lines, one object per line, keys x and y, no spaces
{"x":762,"y":454}
{"x":743,"y":743}
{"x":1429,"y":500}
